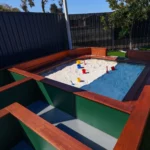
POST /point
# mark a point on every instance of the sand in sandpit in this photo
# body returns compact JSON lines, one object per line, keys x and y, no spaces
{"x":115,"y":84}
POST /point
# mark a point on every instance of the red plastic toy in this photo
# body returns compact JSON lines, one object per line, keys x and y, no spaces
{"x":113,"y":68}
{"x":83,"y":71}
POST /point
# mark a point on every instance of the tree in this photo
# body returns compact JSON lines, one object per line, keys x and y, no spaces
{"x":60,"y":2}
{"x":8,"y":8}
{"x":125,"y":14}
{"x":43,"y":3}
{"x":52,"y":6}
{"x":25,"y":3}
{"x":55,"y":9}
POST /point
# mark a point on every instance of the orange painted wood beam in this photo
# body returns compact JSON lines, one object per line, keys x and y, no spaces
{"x":26,"y":74}
{"x":59,"y":139}
{"x":125,"y":107}
{"x":35,"y":63}
{"x":131,"y":136}
{"x":139,"y":55}
{"x":3,"y":112}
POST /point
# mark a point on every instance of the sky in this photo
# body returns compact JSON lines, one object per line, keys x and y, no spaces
{"x":74,"y":6}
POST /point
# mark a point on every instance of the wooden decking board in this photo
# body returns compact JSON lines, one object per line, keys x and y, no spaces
{"x":50,"y":133}
{"x":132,"y":134}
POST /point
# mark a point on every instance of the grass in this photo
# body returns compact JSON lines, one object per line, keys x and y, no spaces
{"x":145,"y":48}
{"x":116,"y":53}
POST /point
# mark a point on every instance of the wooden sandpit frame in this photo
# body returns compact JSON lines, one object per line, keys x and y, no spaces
{"x":131,"y":135}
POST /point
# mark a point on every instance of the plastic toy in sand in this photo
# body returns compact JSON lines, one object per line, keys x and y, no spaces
{"x":84,"y":62}
{"x":78,"y":62}
{"x":72,"y":83}
{"x":79,"y":66}
{"x":84,"y":71}
{"x":113,"y":68}
{"x":107,"y":69}
{"x":78,"y":80}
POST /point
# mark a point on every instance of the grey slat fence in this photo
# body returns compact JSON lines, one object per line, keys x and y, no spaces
{"x":87,"y":30}
{"x":25,"y":36}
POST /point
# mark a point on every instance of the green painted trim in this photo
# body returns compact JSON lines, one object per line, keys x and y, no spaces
{"x":38,"y":142}
{"x":44,"y":92}
{"x":59,"y":98}
{"x":10,"y":133}
{"x":16,"y":76}
{"x":109,"y":120}
{"x":25,"y":94}
{"x":5,"y":78}
{"x":145,"y":143}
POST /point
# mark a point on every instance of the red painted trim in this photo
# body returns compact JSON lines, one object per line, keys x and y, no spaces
{"x":33,"y":64}
{"x":125,"y":107}
{"x":131,"y":136}
{"x":26,"y":74}
{"x":138,"y":55}
{"x":59,"y":139}
{"x":3,"y":112}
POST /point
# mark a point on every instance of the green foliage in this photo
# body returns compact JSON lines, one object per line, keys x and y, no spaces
{"x":125,"y":14}
{"x":8,"y":8}
{"x":145,"y":48}
{"x":25,"y":3}
{"x":55,"y":9}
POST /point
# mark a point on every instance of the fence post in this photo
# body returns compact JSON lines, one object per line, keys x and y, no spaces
{"x":67,"y":23}
{"x":113,"y":41}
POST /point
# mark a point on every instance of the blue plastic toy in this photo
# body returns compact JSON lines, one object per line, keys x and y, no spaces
{"x":79,"y":66}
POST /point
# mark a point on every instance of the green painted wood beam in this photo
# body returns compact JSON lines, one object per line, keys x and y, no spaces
{"x":107,"y":119}
{"x":5,"y":78}
{"x":145,"y":144}
{"x":16,"y":76}
{"x":10,"y":133}
{"x":25,"y":94}
{"x":38,"y":142}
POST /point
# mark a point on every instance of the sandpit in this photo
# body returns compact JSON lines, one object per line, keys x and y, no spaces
{"x":114,"y":84}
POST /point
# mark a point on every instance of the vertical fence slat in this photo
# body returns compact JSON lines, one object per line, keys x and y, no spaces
{"x":25,"y":36}
{"x":93,"y":33}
